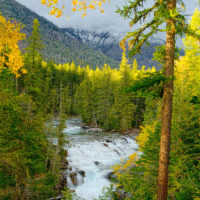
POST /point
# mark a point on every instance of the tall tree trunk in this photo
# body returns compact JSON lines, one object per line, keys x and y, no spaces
{"x":167,"y":107}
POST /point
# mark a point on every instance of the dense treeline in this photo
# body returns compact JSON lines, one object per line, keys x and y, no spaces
{"x":102,"y":98}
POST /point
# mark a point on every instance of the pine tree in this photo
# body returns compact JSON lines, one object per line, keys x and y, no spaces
{"x":34,"y":44}
{"x":167,"y":105}
{"x":33,"y":82}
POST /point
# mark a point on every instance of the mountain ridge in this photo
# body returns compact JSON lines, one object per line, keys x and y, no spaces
{"x":60,"y":47}
{"x":70,"y":44}
{"x":108,"y":44}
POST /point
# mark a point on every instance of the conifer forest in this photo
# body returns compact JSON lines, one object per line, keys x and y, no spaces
{"x":77,"y":124}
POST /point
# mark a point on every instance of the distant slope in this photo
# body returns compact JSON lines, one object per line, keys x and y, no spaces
{"x":60,"y":46}
{"x":109,"y":45}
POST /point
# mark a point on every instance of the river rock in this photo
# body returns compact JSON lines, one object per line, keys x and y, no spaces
{"x":82,"y":173}
{"x":73,"y":177}
{"x":116,"y":152}
{"x":96,"y":163}
{"x":85,"y":127}
{"x":106,"y":145}
{"x":111,"y":176}
{"x":126,"y":141}
{"x":95,"y":130}
{"x":108,"y":140}
{"x":56,"y":198}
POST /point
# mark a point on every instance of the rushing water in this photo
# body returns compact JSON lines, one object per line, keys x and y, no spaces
{"x":91,"y":156}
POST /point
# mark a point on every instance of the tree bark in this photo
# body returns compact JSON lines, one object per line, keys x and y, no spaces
{"x":167,"y":107}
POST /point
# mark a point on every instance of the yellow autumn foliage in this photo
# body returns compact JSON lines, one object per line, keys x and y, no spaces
{"x":142,"y":138}
{"x":77,"y":5}
{"x":10,"y":55}
{"x":125,"y":165}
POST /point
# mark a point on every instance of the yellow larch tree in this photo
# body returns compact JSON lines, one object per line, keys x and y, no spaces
{"x":10,"y":55}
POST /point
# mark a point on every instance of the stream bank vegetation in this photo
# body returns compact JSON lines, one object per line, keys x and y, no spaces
{"x":33,"y":92}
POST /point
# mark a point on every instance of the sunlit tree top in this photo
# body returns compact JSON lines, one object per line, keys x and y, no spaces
{"x":10,"y":55}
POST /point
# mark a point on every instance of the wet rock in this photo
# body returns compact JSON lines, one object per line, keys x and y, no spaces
{"x":134,"y":132}
{"x":100,"y":165}
{"x":96,"y":163}
{"x":116,"y":152}
{"x":85,"y":127}
{"x":126,"y":141}
{"x":56,"y":198}
{"x":95,"y":130}
{"x":108,"y":140}
{"x":73,"y":177}
{"x":106,"y":145}
{"x":82,"y":173}
{"x":111,"y":176}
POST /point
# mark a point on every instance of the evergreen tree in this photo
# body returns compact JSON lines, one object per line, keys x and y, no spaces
{"x":34,"y":44}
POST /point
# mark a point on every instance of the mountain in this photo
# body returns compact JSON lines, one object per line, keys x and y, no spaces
{"x":108,"y":44}
{"x":81,"y":46}
{"x":60,"y":46}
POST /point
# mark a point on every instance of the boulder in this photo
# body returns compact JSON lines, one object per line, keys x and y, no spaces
{"x":95,"y":130}
{"x":111,"y":176}
{"x":117,"y":152}
{"x":125,"y":140}
{"x":82,"y":173}
{"x":106,"y":145}
{"x":108,"y":140}
{"x":73,"y":177}
{"x":85,"y":127}
{"x":96,"y":163}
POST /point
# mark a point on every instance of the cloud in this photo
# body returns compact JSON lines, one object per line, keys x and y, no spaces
{"x":94,"y":21}
{"x":109,"y":21}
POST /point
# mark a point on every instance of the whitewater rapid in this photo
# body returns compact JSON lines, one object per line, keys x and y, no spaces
{"x":91,"y":157}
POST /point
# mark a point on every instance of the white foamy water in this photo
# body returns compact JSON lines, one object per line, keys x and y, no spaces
{"x":91,"y":157}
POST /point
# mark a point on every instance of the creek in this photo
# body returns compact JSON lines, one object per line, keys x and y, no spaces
{"x":91,"y":157}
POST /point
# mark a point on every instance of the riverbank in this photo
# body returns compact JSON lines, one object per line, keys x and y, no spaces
{"x":97,"y":129}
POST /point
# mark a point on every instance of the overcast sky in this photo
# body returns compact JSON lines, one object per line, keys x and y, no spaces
{"x":109,"y":21}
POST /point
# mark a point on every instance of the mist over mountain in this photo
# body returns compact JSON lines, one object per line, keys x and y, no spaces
{"x":59,"y":46}
{"x":108,"y":44}
{"x":71,"y":44}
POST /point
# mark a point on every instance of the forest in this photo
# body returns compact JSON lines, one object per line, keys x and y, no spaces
{"x":128,"y":102}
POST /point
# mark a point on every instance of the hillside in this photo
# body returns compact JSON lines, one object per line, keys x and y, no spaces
{"x":59,"y":46}
{"x":108,"y":44}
